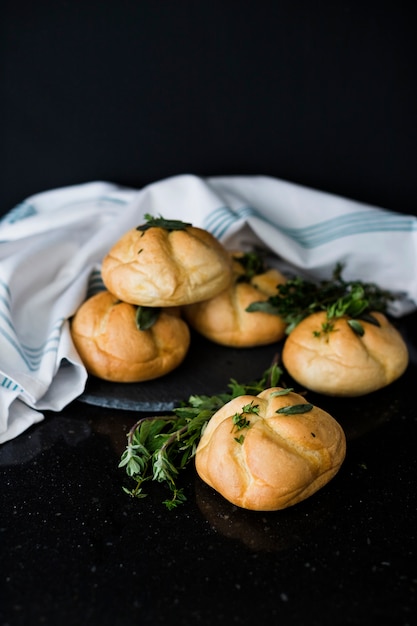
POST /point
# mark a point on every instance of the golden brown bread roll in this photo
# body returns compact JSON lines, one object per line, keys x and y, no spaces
{"x":341,"y":362}
{"x":111,"y":346}
{"x":160,"y":267}
{"x":224,"y":319}
{"x":265,"y":460}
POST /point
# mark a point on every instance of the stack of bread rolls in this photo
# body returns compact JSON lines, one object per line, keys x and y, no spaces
{"x":149,"y":274}
{"x":189,"y":280}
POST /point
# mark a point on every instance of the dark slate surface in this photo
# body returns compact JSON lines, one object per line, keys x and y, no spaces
{"x":207,"y":369}
{"x":75,"y":549}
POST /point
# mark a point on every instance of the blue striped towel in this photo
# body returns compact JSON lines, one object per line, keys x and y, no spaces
{"x":51,"y":246}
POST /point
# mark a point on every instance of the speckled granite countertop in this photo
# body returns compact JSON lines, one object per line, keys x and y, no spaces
{"x":76,"y":550}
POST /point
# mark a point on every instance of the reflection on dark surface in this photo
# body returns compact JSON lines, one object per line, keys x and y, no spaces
{"x":42,"y":437}
{"x":361,"y":415}
{"x":407,"y":326}
{"x":114,"y":426}
{"x":262,"y":531}
{"x":68,"y":431}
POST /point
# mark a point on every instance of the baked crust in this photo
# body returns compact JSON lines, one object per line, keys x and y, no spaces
{"x":224,"y":319}
{"x":161,"y":268}
{"x":281,"y":460}
{"x":341,"y":362}
{"x":111,"y":347}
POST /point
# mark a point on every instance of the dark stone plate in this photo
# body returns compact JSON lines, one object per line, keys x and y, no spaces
{"x":207,"y":369}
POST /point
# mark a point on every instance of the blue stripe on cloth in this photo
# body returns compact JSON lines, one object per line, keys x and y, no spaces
{"x":6,"y":288}
{"x":113,"y":200}
{"x":5,"y":301}
{"x":19,"y":212}
{"x":16,"y":347}
{"x":10,"y":384}
{"x":7,"y":321}
{"x":347,"y":225}
{"x":221,"y":219}
{"x":98,"y":200}
{"x":24,"y":209}
{"x":32,"y":356}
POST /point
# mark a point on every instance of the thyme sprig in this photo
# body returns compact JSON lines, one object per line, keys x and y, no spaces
{"x":161,"y":222}
{"x":160,"y":447}
{"x":295,"y":409}
{"x":298,"y":298}
{"x":240,"y":420}
{"x":252,"y":263}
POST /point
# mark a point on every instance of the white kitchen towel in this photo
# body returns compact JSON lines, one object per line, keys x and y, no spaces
{"x":52,"y":244}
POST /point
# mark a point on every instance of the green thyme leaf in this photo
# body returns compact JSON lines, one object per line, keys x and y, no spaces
{"x":282,"y":392}
{"x":295,"y":409}
{"x":160,"y":222}
{"x":271,"y":306}
{"x":240,"y":420}
{"x":178,"y":497}
{"x":326,"y":328}
{"x":251,"y":408}
{"x":274,"y":376}
{"x":356,"y":327}
{"x":253,"y":264}
{"x":146,"y":317}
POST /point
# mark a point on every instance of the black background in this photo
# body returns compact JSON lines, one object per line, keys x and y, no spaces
{"x":131,"y":91}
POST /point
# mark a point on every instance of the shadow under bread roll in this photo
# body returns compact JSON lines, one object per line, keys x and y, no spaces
{"x":106,"y":335}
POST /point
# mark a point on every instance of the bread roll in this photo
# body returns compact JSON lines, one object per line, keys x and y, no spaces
{"x":224,"y":319}
{"x":111,"y":347}
{"x":342,"y":362}
{"x":159,"y":267}
{"x":277,"y":459}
